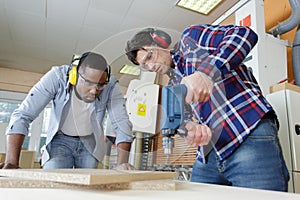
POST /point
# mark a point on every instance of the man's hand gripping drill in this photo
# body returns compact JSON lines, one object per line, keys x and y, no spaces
{"x":177,"y":119}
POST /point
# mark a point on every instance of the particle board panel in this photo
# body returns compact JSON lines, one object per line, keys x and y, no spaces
{"x":12,"y":182}
{"x":87,"y":176}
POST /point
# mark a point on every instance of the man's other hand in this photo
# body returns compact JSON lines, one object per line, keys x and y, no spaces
{"x":198,"y":134}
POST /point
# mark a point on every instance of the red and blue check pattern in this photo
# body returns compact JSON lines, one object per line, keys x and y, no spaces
{"x":237,"y":104}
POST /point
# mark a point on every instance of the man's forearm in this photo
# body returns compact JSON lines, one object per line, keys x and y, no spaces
{"x":13,"y":148}
{"x":123,"y":152}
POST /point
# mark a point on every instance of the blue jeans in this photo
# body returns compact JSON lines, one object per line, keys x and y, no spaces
{"x":257,"y":163}
{"x":69,"y":152}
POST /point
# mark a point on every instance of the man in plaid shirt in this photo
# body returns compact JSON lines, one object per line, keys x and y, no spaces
{"x":236,"y":133}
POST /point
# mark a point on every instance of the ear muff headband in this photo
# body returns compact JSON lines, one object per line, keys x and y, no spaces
{"x":159,"y":40}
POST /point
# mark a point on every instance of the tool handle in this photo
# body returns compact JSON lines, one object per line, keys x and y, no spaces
{"x":173,"y":100}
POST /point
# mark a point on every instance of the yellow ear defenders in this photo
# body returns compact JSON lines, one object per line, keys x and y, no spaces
{"x":108,"y":68}
{"x":73,"y":72}
{"x":73,"y":75}
{"x":73,"y":69}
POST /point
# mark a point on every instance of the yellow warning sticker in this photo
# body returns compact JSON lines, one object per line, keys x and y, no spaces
{"x":141,"y":110}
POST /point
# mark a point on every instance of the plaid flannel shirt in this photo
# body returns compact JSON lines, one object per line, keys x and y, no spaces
{"x":236,"y":104}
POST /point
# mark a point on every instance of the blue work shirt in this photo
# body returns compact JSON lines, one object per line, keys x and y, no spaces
{"x":54,"y":86}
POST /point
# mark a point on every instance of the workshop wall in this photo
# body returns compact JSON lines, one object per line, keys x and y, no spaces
{"x":17,"y":80}
{"x":276,"y":11}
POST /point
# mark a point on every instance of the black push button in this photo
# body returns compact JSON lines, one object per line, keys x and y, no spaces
{"x":297,"y":129}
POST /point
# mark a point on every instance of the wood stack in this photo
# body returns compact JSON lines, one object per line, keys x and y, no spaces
{"x":183,"y":154}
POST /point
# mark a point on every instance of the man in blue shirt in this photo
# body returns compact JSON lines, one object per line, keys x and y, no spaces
{"x":80,"y":97}
{"x":236,"y":129}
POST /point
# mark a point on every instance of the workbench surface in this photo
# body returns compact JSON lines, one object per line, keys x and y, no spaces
{"x":185,"y":191}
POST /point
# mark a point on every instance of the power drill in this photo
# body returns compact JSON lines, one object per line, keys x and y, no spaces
{"x":175,"y":112}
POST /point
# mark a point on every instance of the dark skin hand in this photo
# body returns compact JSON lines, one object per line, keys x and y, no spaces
{"x":14,"y":146}
{"x":123,"y":155}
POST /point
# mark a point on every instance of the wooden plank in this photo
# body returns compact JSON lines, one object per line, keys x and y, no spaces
{"x":11,"y":182}
{"x":87,"y":176}
{"x":284,"y":86}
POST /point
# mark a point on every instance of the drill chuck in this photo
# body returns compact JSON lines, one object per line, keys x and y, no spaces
{"x":168,"y":145}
